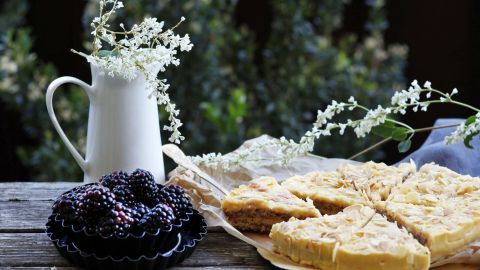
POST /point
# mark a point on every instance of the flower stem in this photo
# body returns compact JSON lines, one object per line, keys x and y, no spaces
{"x":390,"y":138}
{"x":432,"y":128}
{"x":79,"y":53}
{"x":401,"y":124}
{"x":436,"y":91}
{"x":464,"y":105}
{"x":370,"y":148}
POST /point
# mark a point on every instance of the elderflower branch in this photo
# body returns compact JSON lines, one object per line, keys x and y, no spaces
{"x":376,"y":120}
{"x":413,"y":131}
{"x":370,"y":148}
{"x":143,"y":49}
{"x":464,"y":105}
{"x":234,"y":160}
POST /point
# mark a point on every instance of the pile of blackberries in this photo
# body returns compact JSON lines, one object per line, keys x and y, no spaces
{"x":122,"y":203}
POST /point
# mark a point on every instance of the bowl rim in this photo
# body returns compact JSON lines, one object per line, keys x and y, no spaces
{"x":178,"y":249}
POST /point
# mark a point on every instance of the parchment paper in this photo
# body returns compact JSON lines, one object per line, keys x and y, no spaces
{"x":207,"y":186}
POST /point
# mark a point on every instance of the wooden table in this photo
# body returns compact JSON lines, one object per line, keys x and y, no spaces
{"x":24,"y":208}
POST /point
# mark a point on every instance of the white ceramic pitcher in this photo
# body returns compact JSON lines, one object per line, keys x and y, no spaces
{"x":123,"y":126}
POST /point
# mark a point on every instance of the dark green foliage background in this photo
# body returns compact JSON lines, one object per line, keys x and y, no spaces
{"x":230,"y":87}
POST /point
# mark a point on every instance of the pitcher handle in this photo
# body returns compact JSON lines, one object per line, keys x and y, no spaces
{"x":49,"y":97}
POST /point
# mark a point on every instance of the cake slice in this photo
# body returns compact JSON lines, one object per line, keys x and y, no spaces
{"x":445,"y":228}
{"x":329,"y":192}
{"x":356,"y":238}
{"x":262,"y":203}
{"x":432,"y":184}
{"x":376,"y":180}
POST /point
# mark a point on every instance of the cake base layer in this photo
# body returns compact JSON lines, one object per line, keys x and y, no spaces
{"x":255,"y":219}
{"x":261,"y":203}
{"x":326,"y":208}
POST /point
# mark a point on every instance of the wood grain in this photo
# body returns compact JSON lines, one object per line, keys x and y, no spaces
{"x":33,"y":191}
{"x":24,"y":216}
{"x":36,"y":250}
{"x":173,"y":268}
{"x":24,"y":208}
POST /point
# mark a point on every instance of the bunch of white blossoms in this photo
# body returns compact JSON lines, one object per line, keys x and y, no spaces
{"x":465,"y":131}
{"x":143,"y":49}
{"x":415,"y":97}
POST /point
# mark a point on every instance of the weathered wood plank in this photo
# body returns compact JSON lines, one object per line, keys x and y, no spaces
{"x":24,"y":216}
{"x":42,"y":268}
{"x":251,"y":267}
{"x":28,"y":249}
{"x":29,"y":216}
{"x":32,"y":191}
{"x":35,"y":250}
{"x":173,"y":268}
{"x":229,"y":267}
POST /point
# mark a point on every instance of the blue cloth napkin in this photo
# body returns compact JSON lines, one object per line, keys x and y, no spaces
{"x":456,"y":157}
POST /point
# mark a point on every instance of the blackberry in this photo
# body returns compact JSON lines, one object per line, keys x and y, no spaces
{"x":174,"y":196}
{"x":117,"y":221}
{"x":81,"y":189}
{"x":123,"y":194}
{"x":138,"y":210}
{"x":143,"y":186}
{"x":160,"y":217}
{"x":67,"y":206}
{"x":97,"y":201}
{"x":64,"y":203}
{"x":114,"y":179}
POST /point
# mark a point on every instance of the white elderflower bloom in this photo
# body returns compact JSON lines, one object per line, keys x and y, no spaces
{"x":212,"y":159}
{"x":342,"y":128}
{"x":401,"y":100}
{"x":415,"y":84}
{"x":143,"y":47}
{"x":353,"y":103}
{"x":372,"y":119}
{"x":463,"y":131}
{"x":423,"y":106}
{"x":185,"y":44}
{"x":454,"y":92}
{"x":427,"y":85}
{"x":330,"y":111}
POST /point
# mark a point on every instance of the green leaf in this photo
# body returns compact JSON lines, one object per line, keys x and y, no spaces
{"x":389,"y":123}
{"x":404,"y":146}
{"x":384,"y":130}
{"x":470,"y":120}
{"x":399,"y":134}
{"x":467,"y":142}
{"x":105,"y":53}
